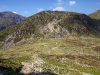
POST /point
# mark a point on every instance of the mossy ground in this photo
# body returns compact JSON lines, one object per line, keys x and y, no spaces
{"x":70,"y":55}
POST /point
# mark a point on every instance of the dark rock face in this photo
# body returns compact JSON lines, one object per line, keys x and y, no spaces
{"x":96,"y":18}
{"x":8,"y":18}
{"x":49,"y":24}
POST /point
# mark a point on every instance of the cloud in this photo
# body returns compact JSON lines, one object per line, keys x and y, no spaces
{"x":39,"y":10}
{"x":59,"y":6}
{"x":15,"y":12}
{"x":59,"y":9}
{"x":72,"y":3}
{"x":26,"y":12}
{"x":59,"y":2}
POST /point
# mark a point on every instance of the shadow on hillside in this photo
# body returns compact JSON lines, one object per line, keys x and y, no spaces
{"x":8,"y":69}
{"x":17,"y":72}
{"x":41,"y":73}
{"x":97,"y":21}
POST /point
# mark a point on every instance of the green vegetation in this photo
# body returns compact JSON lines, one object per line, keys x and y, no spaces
{"x":13,"y":65}
{"x":18,"y":38}
{"x":76,"y":54}
{"x":73,"y":54}
{"x":9,"y":64}
{"x":26,"y":36}
{"x":95,"y":15}
{"x":71,"y":24}
{"x":5,"y":33}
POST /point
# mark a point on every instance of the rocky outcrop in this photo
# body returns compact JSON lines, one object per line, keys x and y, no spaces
{"x":49,"y":24}
{"x":36,"y":66}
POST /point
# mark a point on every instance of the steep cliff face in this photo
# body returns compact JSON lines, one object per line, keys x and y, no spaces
{"x":49,"y":24}
{"x":8,"y":18}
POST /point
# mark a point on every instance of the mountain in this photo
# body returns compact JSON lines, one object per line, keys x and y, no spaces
{"x":49,"y":24}
{"x":8,"y":18}
{"x":95,"y":15}
{"x":96,"y":18}
{"x":51,"y":43}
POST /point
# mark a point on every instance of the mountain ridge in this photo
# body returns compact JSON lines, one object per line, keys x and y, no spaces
{"x":49,"y":24}
{"x":8,"y":18}
{"x":95,"y":15}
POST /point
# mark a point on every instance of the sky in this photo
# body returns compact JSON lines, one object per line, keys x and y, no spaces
{"x":30,"y":7}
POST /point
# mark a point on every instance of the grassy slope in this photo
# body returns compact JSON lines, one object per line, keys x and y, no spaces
{"x":73,"y":55}
{"x":95,"y":15}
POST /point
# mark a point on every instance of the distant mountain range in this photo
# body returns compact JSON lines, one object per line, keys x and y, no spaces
{"x":8,"y":18}
{"x":50,"y":24}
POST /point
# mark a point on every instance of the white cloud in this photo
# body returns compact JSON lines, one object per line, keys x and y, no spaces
{"x":26,"y":12}
{"x":14,"y":12}
{"x":59,"y":2}
{"x":72,"y":3}
{"x":59,"y":9}
{"x":39,"y":10}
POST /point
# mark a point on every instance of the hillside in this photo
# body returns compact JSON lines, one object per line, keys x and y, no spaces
{"x":51,"y":43}
{"x":48,"y":24}
{"x":69,"y":55}
{"x":8,"y":18}
{"x":96,"y":17}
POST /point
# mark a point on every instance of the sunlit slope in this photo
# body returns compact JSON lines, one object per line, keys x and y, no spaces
{"x":75,"y":55}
